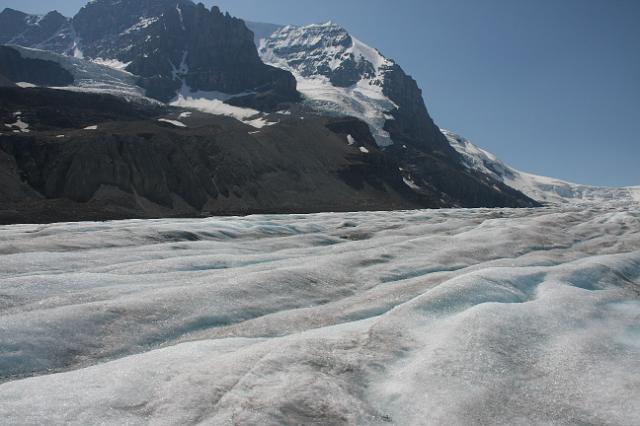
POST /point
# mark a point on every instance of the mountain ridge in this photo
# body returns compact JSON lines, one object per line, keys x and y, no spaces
{"x":376,"y":110}
{"x":540,"y":188}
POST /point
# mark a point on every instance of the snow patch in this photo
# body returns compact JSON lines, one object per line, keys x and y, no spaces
{"x":141,"y":25}
{"x":363,"y":150}
{"x":25,"y":85}
{"x":112,"y":63}
{"x":179,"y":9}
{"x":363,"y":101}
{"x":172,"y":122}
{"x":21,"y":125}
{"x":77,"y":51}
{"x":94,"y":127}
{"x":410,"y":183}
{"x":351,"y":140}
{"x":213,"y":103}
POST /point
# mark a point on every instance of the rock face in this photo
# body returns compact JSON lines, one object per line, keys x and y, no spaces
{"x":90,"y":156}
{"x":411,"y":124}
{"x":52,"y":31}
{"x":173,"y":44}
{"x":36,"y":71}
{"x":5,"y":82}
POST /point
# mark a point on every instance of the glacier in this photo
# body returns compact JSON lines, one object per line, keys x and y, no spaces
{"x":440,"y":317}
{"x":99,"y":76}
{"x":540,"y":188}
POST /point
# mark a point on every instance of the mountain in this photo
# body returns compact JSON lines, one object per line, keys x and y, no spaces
{"x":172,"y":46}
{"x":314,"y":120}
{"x":52,"y":31}
{"x":339,"y":74}
{"x":333,"y":67}
{"x":540,"y":188}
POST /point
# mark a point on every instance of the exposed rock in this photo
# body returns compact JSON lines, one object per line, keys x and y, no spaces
{"x":411,"y":124}
{"x":5,"y":82}
{"x":36,"y":71}
{"x":172,"y":43}
{"x":13,"y":23}
{"x":129,"y":164}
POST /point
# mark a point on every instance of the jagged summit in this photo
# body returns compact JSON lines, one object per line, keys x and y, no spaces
{"x":338,"y":72}
{"x":52,"y":31}
{"x":324,"y":50}
{"x":168,"y":44}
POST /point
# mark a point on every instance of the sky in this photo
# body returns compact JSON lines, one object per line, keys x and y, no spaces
{"x":551,"y":87}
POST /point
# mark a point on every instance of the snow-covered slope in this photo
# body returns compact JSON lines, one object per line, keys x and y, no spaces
{"x":540,"y":188}
{"x":449,"y":317}
{"x":336,"y":72}
{"x":96,"y":77}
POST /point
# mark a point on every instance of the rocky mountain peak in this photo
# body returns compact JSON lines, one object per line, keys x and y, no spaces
{"x":52,"y":31}
{"x":9,"y":12}
{"x":323,"y":50}
{"x":381,"y":93}
{"x":177,"y":45}
{"x":100,"y":22}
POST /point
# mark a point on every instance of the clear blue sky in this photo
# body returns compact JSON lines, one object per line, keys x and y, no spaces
{"x":550,"y":86}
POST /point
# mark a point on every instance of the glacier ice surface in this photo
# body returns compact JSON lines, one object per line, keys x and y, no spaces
{"x":448,"y":317}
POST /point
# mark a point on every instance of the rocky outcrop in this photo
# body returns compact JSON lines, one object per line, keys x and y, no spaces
{"x":35,"y":71}
{"x":411,"y":124}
